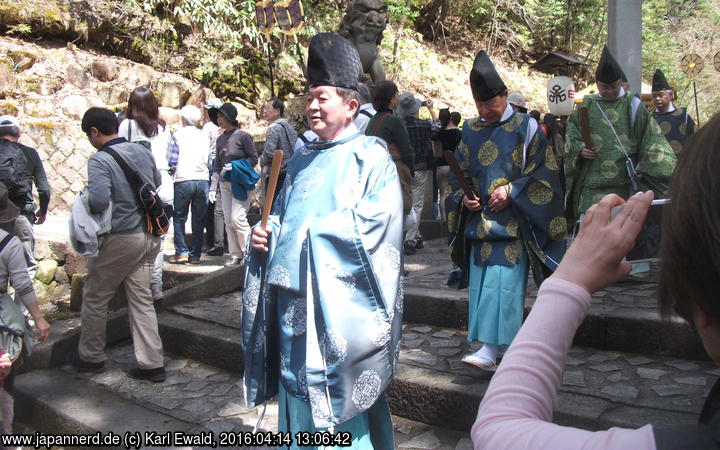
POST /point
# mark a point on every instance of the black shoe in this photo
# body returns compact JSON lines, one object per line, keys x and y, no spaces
{"x":419,"y":243}
{"x":85,"y":366}
{"x":216,"y":251}
{"x":156,"y":375}
{"x":409,"y":248}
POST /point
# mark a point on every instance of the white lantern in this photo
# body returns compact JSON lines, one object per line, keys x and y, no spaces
{"x":560,"y":95}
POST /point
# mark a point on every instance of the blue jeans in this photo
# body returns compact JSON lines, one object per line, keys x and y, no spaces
{"x":187,"y":193}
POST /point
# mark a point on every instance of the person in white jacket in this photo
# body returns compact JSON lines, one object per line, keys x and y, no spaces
{"x":191,"y":166}
{"x":143,"y":125}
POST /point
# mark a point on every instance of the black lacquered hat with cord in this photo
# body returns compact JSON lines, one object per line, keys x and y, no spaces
{"x":659,"y":82}
{"x":485,"y":82}
{"x":608,"y":70}
{"x":333,"y":61}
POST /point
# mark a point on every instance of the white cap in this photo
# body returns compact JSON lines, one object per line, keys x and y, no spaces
{"x":517,"y":99}
{"x":9,"y":121}
{"x":191,"y":114}
{"x":214,"y":103}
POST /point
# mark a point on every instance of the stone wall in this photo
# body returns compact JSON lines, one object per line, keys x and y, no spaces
{"x":57,"y":263}
{"x":50,"y":88}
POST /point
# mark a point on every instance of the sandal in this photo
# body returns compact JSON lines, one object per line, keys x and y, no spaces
{"x":479,"y":362}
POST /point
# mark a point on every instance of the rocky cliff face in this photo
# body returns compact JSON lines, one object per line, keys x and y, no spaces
{"x":49,"y":88}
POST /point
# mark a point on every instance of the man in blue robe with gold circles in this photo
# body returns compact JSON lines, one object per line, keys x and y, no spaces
{"x":516,"y":214}
{"x":322,"y":304}
{"x":675,"y":123}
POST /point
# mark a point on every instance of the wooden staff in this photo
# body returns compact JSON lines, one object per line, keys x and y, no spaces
{"x":272,"y":185}
{"x":455,"y":167}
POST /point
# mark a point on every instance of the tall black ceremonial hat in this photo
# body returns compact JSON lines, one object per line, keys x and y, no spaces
{"x":485,"y":82}
{"x":659,"y":82}
{"x":608,"y":70}
{"x":333,"y":61}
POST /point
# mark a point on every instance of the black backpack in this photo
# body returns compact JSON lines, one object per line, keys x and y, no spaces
{"x":14,"y":172}
{"x":157,"y":212}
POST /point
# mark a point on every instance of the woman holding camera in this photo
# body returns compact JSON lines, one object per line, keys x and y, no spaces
{"x":518,"y":406}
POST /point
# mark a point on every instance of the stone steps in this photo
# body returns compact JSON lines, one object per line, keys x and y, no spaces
{"x":601,"y":388}
{"x":627,"y":367}
{"x":622,"y":317}
{"x":195,"y":398}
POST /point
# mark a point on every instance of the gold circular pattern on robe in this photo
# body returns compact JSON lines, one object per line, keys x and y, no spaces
{"x":512,"y":227}
{"x":488,"y":153}
{"x":665,"y":127}
{"x":655,"y":153}
{"x":485,"y":250}
{"x":464,"y":151}
{"x":550,"y":161}
{"x":512,"y":124}
{"x":558,"y":228}
{"x":476,"y":124}
{"x":483,"y":227}
{"x":485,"y":224}
{"x":597,"y":141}
{"x":540,"y":193}
{"x":676,"y":146}
{"x":517,"y":156}
{"x":682,"y":128}
{"x":609,"y":169}
{"x":496,"y":184}
{"x":596,"y":198}
{"x":512,"y":251}
{"x":611,"y":114}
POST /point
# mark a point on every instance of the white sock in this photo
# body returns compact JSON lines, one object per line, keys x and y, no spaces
{"x":488,"y":351}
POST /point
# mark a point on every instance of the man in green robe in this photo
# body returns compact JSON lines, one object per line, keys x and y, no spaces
{"x":628,"y":151}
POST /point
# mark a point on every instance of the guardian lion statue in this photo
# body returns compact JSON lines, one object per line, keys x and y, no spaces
{"x":363,"y":25}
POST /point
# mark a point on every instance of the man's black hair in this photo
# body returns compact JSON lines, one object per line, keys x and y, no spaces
{"x":276,"y":103}
{"x":102,"y":119}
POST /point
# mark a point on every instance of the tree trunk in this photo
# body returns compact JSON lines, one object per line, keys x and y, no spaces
{"x":429,"y":21}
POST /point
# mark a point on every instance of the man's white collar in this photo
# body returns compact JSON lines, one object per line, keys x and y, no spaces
{"x":672,"y":108}
{"x":506,"y":114}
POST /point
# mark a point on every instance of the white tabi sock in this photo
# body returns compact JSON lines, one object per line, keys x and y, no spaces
{"x":488,"y":352}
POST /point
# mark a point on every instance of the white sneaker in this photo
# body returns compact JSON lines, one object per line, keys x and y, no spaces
{"x":234,"y":261}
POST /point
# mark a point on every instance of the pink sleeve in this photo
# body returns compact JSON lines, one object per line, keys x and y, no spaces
{"x":518,"y":406}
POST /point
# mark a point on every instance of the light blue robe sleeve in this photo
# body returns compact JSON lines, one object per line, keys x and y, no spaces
{"x":355,"y":261}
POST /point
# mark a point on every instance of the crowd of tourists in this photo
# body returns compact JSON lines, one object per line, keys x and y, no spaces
{"x":323,"y":299}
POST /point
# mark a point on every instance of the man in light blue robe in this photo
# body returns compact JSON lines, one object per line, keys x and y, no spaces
{"x":515,"y":217}
{"x":322,"y":307}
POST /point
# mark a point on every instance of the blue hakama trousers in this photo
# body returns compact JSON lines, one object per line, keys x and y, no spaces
{"x":496,"y":297}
